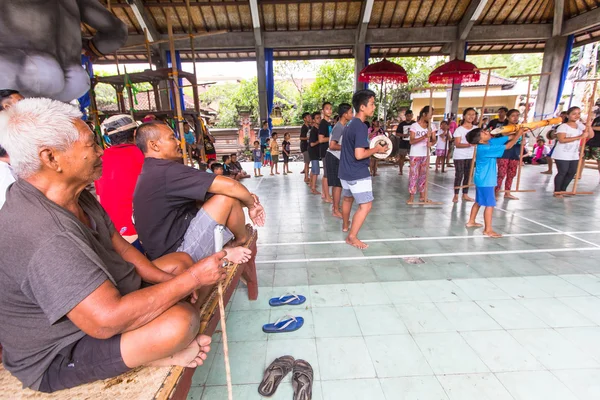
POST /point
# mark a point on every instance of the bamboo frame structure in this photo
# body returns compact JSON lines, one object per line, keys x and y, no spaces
{"x":487,"y":86}
{"x":426,"y":201}
{"x":525,"y":117}
{"x":581,"y":162}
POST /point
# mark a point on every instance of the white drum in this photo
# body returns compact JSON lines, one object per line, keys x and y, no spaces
{"x":383,"y":140}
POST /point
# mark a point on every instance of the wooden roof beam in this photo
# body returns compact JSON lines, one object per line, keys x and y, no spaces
{"x":559,"y":16}
{"x":581,"y":23}
{"x":256,"y":23}
{"x":137,"y":7}
{"x":472,"y":14}
{"x":365,"y":18}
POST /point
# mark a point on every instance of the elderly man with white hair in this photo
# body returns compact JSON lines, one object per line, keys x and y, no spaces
{"x":73,"y":305}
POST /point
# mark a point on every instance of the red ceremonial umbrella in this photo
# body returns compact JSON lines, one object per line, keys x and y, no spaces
{"x":455,"y":71}
{"x":383,"y":71}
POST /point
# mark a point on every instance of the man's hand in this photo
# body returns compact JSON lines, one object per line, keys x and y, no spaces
{"x":209,"y":270}
{"x":257,"y":214}
{"x":381,"y":149}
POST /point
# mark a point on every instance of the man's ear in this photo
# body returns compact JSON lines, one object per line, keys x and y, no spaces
{"x":153,"y":144}
{"x":50,"y":159}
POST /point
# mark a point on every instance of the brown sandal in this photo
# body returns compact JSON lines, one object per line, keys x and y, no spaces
{"x":274,"y":374}
{"x":302,"y":380}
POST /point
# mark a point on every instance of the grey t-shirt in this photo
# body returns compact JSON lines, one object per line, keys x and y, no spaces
{"x":50,"y":262}
{"x":336,"y":134}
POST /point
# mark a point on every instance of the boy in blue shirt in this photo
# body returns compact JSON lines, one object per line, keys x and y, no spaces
{"x":486,"y":174}
{"x":354,"y":167}
{"x":257,"y":158}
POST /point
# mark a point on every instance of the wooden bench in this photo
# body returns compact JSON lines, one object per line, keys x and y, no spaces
{"x":147,"y":383}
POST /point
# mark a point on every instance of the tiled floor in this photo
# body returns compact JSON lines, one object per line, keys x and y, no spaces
{"x":515,"y":318}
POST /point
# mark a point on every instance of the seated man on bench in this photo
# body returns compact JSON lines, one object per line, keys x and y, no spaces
{"x":176,"y":207}
{"x":74,"y":308}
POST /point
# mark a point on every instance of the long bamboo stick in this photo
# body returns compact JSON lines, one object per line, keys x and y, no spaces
{"x":175,"y":75}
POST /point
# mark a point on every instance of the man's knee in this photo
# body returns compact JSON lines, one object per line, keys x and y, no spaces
{"x":366,"y":206}
{"x":182,"y":322}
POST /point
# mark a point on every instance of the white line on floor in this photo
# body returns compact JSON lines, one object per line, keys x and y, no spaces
{"x":410,"y":239}
{"x":396,"y":256}
{"x":532,"y":221}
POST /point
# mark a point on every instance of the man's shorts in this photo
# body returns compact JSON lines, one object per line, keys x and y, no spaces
{"x":306,"y":157}
{"x":199,"y":239}
{"x":485,"y":196}
{"x":87,"y":360}
{"x":275,"y":158}
{"x":403,"y":152}
{"x":592,"y":153}
{"x":361,"y":190}
{"x":315,"y":169}
{"x":333,"y":166}
{"x":257,"y":164}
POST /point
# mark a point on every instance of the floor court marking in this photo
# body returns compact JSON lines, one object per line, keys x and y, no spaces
{"x":432,"y":255}
{"x":410,"y":239}
{"x":513,"y":213}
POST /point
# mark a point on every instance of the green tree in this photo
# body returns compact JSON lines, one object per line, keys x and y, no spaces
{"x":334,"y":83}
{"x":229,"y":98}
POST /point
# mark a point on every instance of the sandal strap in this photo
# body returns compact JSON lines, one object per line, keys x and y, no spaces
{"x":287,"y":318}
{"x":294,"y":297}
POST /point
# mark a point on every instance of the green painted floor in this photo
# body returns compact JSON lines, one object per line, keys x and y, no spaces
{"x":511,"y":318}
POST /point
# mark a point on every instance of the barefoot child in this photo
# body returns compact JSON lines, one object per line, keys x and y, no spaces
{"x":267,"y":156}
{"x":463,"y":155}
{"x":441,"y":150}
{"x":313,"y":152}
{"x":332,"y":159}
{"x":286,"y":146}
{"x":274,"y":146}
{"x":486,"y":174}
{"x":257,"y":157}
{"x":422,"y":136}
{"x":354,"y":166}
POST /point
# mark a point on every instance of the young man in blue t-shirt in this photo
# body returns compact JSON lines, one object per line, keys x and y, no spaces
{"x":354,"y":166}
{"x":486,"y":174}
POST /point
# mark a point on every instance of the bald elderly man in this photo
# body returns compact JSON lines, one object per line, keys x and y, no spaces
{"x":176,"y":207}
{"x":74,"y":308}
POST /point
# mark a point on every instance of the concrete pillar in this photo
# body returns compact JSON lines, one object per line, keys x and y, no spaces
{"x":261,"y":74}
{"x":457,"y":52}
{"x":554,"y":56}
{"x":359,"y":64}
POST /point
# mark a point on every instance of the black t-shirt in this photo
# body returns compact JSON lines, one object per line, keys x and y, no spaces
{"x":313,"y":137}
{"x":209,"y":147}
{"x":164,"y":203}
{"x":304,"y":134}
{"x":403,"y":143}
{"x":496,"y":123}
{"x":286,"y":147}
{"x":595,"y":141}
{"x":325,"y":130}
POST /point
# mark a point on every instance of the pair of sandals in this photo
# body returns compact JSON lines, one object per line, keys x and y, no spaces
{"x":302,"y":377}
{"x":287,"y":323}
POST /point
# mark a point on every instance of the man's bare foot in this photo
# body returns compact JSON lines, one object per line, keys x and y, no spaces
{"x":455,"y":199}
{"x":272,"y":174}
{"x":473,"y":225}
{"x":558,"y":195}
{"x":346,"y":228}
{"x":336,"y":214}
{"x":400,"y":173}
{"x":492,"y":234}
{"x":353,"y":241}
{"x":192,"y":356}
{"x":238,"y":254}
{"x":411,"y":199}
{"x":327,"y":200}
{"x":510,"y":197}
{"x":375,"y":174}
{"x":277,"y":173}
{"x":467,"y":198}
{"x":546,"y":172}
{"x":289,"y":172}
{"x":315,"y":191}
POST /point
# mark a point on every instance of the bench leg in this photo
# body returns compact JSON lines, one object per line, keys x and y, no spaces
{"x":250,"y":276}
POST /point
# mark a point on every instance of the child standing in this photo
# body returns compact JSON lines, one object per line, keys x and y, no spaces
{"x":257,"y":157}
{"x":421,"y":139}
{"x":463,"y":155}
{"x":486,"y":174}
{"x":274,"y":153}
{"x":287,"y":150}
{"x":441,"y":150}
{"x":267,"y":156}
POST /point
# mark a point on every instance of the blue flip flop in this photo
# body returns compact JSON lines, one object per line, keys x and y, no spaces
{"x":287,"y":300}
{"x":284,"y":324}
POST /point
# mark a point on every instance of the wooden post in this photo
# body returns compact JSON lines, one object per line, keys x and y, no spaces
{"x":156,"y":96}
{"x":200,"y":135}
{"x":129,"y":94}
{"x":588,"y":123}
{"x":487,"y":85}
{"x":148,"y":52}
{"x":175,"y":75}
{"x":426,"y":200}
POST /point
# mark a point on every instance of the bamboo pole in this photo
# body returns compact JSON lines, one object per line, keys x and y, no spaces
{"x":588,"y":124}
{"x":426,"y":200}
{"x":175,"y":75}
{"x":195,"y":86}
{"x":175,"y":39}
{"x":129,"y":94}
{"x":487,"y":86}
{"x":148,"y":52}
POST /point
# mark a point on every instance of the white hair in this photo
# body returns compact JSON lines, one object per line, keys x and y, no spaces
{"x":32,"y":124}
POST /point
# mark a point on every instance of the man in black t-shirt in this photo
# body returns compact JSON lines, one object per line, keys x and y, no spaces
{"x":325,"y":128}
{"x":304,"y":144}
{"x":167,"y":195}
{"x":313,"y":152}
{"x":403,"y":136}
{"x":500,"y":121}
{"x":592,"y":147}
